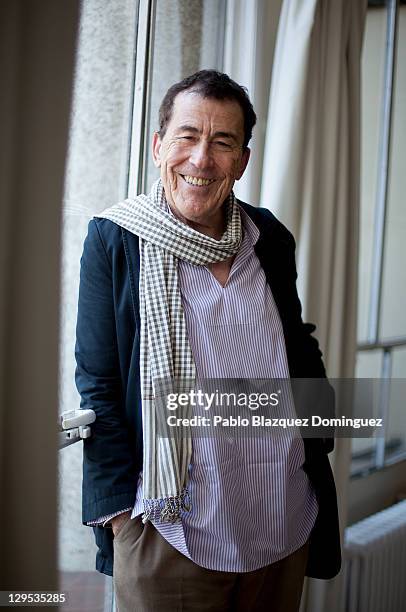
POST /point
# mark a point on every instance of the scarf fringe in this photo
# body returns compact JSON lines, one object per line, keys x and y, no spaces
{"x":167,"y":509}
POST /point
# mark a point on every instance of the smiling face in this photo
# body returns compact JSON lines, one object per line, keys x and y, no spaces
{"x":200,"y":157}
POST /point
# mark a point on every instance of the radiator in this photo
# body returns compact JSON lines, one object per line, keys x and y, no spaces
{"x":375,"y":562}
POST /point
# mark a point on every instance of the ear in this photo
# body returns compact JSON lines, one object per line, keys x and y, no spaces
{"x":243,"y":163}
{"x":156,"y":149}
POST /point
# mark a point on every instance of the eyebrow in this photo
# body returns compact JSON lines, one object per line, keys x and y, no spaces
{"x":194,"y":130}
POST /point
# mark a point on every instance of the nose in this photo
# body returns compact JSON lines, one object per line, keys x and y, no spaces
{"x":200,"y":155}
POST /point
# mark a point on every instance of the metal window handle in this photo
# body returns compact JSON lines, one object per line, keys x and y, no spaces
{"x":74,"y":426}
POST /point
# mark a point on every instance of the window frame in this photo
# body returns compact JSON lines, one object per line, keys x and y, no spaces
{"x":374,"y":342}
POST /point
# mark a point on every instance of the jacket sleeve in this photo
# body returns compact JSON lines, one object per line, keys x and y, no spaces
{"x":109,"y":476}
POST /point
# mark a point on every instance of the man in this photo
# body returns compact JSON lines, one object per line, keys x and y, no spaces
{"x":187,"y":282}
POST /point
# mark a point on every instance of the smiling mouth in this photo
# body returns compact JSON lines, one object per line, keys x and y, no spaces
{"x":197,"y":182}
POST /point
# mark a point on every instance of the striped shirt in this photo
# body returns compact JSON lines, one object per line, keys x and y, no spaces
{"x":252,"y":503}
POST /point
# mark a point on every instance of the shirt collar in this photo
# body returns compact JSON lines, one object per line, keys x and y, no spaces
{"x":249,"y":227}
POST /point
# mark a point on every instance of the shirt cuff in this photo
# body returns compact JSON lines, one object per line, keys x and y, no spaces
{"x":104,"y":520}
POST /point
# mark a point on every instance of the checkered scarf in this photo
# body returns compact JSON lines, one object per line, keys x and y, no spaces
{"x":165,"y":352}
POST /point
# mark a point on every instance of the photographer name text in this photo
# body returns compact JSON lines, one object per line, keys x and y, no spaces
{"x":262,"y":421}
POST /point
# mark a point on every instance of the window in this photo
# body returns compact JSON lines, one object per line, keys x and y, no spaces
{"x":382,"y":273}
{"x":96,"y":176}
{"x":185,"y":36}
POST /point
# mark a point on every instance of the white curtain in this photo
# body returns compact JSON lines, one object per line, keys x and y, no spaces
{"x":251,"y":29}
{"x":310,"y":180}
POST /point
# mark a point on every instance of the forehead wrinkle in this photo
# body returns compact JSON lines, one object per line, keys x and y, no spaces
{"x":195,"y":130}
{"x":188,"y":128}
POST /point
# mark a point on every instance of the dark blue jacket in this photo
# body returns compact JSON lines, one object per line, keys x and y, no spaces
{"x":108,"y":378}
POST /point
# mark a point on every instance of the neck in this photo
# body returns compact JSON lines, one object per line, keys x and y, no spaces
{"x":213,"y":231}
{"x":213,"y":227}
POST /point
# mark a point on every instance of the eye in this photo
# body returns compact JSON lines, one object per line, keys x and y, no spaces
{"x":186,"y":138}
{"x":220,"y":143}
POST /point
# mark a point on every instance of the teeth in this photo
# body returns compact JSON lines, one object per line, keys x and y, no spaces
{"x":193,"y":180}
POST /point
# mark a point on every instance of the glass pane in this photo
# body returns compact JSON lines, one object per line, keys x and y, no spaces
{"x":396,"y":434}
{"x":96,"y":177}
{"x":188,"y":37}
{"x":368,"y":365}
{"x":373,"y":56}
{"x":393,"y":321}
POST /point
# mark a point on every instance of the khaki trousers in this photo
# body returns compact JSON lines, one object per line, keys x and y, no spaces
{"x":151,"y":575}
